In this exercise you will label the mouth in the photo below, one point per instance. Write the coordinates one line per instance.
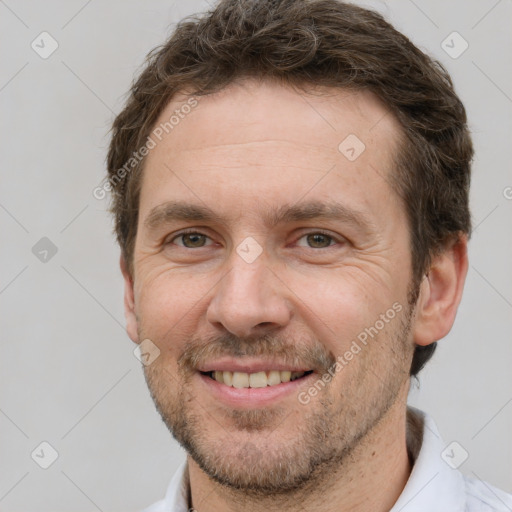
(260, 379)
(248, 383)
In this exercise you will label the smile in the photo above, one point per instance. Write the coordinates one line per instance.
(260, 379)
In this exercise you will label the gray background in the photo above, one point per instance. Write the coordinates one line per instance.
(67, 369)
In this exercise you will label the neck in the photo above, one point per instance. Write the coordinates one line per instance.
(371, 478)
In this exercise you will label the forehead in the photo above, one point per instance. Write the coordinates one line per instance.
(268, 139)
(249, 111)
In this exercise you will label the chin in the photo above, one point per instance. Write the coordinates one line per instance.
(255, 470)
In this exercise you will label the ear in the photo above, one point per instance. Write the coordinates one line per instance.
(129, 303)
(441, 292)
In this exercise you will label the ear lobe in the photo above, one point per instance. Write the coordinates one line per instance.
(440, 293)
(129, 303)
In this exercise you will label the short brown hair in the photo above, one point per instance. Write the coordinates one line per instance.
(312, 43)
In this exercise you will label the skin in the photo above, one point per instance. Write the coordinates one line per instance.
(243, 151)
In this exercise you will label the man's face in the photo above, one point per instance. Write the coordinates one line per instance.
(266, 282)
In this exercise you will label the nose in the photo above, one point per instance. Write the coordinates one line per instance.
(249, 300)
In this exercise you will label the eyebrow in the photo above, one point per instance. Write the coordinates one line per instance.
(175, 211)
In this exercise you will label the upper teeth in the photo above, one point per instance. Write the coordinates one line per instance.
(255, 380)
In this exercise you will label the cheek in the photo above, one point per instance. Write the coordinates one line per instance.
(341, 305)
(167, 305)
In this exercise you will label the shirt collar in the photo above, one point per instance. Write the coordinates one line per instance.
(177, 496)
(432, 484)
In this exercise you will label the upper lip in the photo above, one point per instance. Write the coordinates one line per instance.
(248, 366)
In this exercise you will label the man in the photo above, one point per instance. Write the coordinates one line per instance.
(290, 187)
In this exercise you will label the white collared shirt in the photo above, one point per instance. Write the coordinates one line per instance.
(433, 485)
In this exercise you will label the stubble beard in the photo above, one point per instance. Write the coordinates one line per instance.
(263, 454)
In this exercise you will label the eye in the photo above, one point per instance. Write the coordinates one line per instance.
(191, 240)
(197, 240)
(318, 240)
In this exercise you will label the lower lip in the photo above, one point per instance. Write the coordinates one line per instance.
(253, 397)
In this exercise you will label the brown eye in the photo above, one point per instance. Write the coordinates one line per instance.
(318, 240)
(191, 240)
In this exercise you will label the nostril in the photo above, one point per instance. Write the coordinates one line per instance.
(264, 324)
